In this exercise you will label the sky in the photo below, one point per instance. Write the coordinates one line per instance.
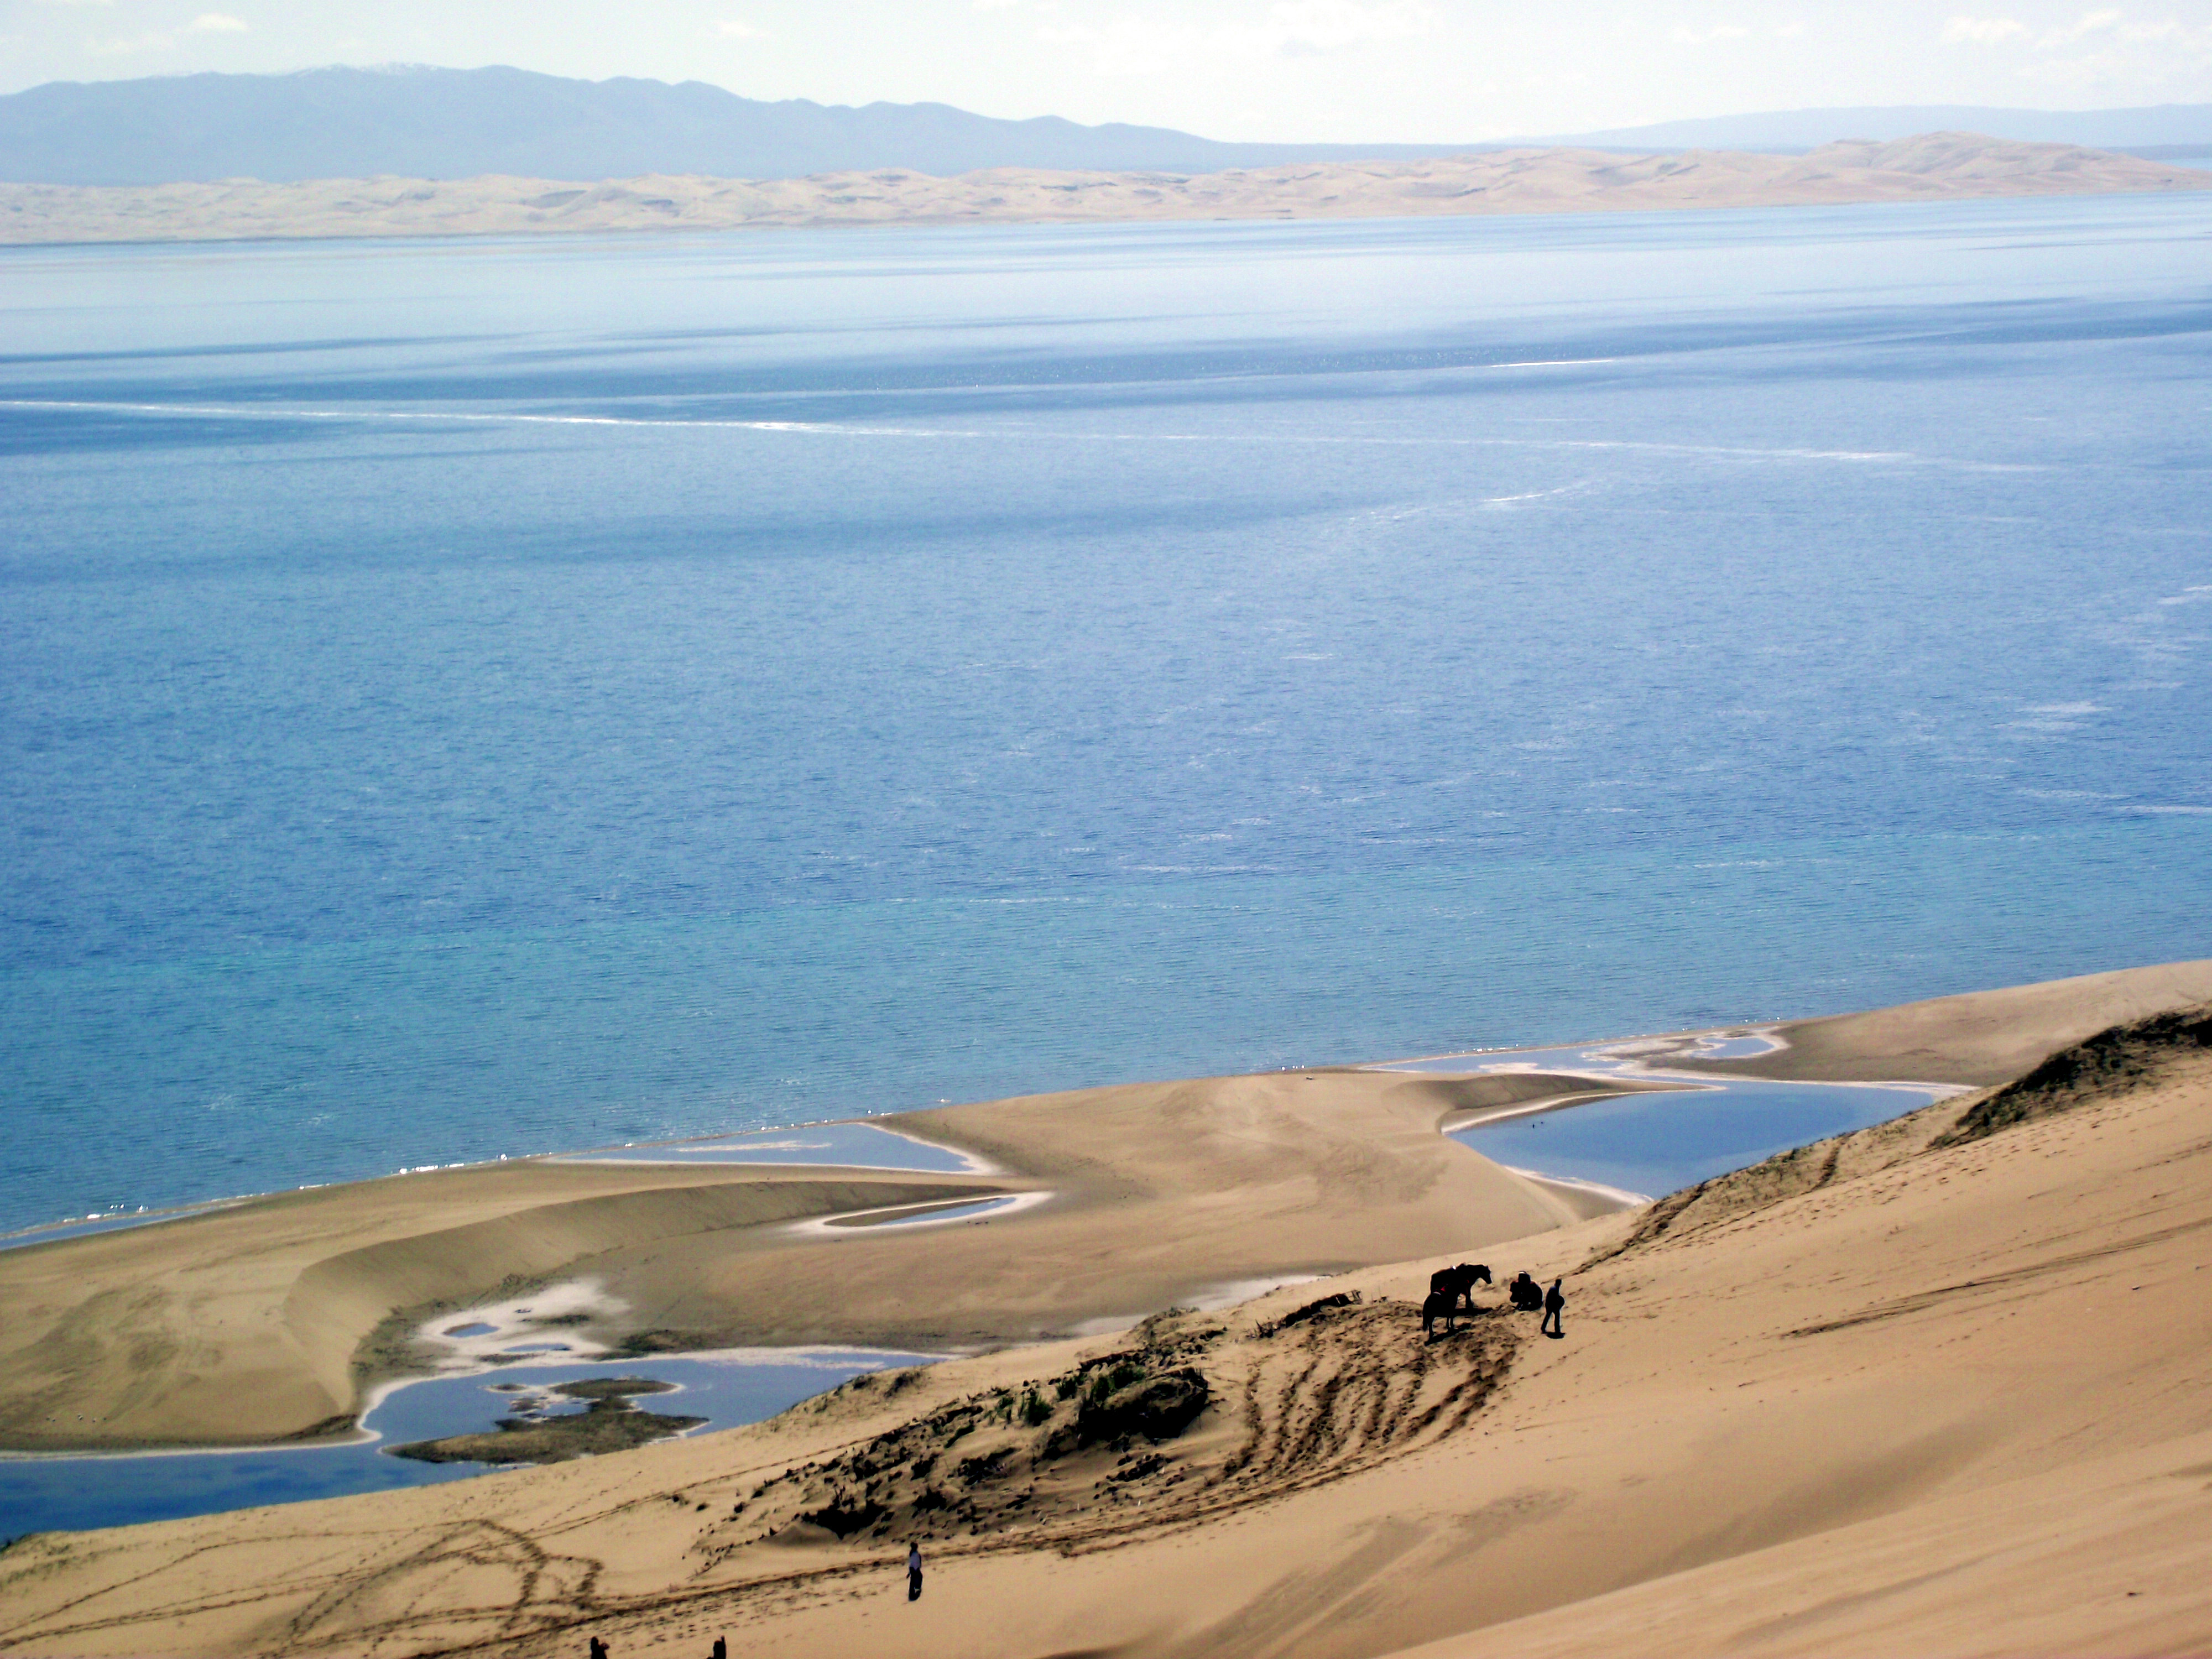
(1411, 71)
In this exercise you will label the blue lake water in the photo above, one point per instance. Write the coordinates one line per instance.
(508, 696)
(60, 1493)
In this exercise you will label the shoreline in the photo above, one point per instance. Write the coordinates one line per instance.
(1125, 1198)
(60, 1231)
(361, 1436)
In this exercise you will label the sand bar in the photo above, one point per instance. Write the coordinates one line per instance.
(273, 1318)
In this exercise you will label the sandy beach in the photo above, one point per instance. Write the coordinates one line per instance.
(1932, 166)
(1932, 1386)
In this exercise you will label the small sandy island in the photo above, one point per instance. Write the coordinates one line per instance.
(1934, 166)
(1933, 1387)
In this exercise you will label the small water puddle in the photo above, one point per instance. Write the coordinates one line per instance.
(1656, 1143)
(851, 1223)
(74, 1493)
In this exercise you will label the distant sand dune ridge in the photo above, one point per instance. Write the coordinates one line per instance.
(1934, 166)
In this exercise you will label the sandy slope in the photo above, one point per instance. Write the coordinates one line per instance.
(1944, 1398)
(1981, 1037)
(268, 1320)
(1951, 1404)
(1931, 167)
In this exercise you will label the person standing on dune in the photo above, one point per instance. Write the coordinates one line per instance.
(1555, 1304)
(914, 1572)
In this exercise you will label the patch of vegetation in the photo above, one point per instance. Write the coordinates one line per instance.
(638, 1343)
(843, 1516)
(612, 1423)
(2120, 1058)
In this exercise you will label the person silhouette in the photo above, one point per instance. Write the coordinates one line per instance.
(1554, 1304)
(914, 1572)
(1524, 1293)
(721, 1650)
(598, 1648)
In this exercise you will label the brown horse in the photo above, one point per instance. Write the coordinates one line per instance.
(1458, 1283)
(1439, 1304)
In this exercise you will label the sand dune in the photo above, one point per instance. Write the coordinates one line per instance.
(1948, 1401)
(254, 1323)
(1980, 1037)
(1933, 167)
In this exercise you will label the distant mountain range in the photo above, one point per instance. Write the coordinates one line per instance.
(460, 123)
(457, 123)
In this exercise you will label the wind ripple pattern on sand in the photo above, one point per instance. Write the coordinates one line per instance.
(1290, 1408)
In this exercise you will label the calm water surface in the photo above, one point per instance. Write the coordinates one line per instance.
(508, 696)
(45, 1494)
(1650, 1144)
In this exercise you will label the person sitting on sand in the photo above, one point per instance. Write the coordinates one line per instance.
(1554, 1304)
(914, 1572)
(1525, 1293)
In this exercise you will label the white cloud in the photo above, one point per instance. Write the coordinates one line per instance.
(736, 29)
(1982, 31)
(2093, 23)
(2101, 47)
(131, 45)
(154, 40)
(2107, 48)
(1131, 44)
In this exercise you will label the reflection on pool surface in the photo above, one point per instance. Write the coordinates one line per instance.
(850, 1145)
(1653, 1144)
(1656, 1143)
(45, 1494)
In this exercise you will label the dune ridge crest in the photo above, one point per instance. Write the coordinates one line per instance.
(1932, 166)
